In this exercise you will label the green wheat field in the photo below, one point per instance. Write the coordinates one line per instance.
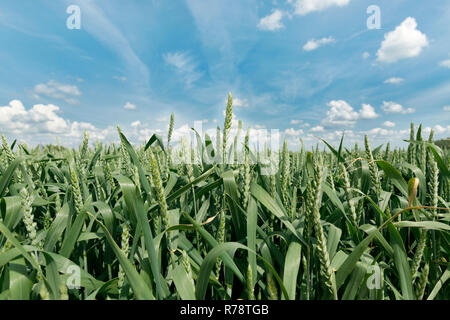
(122, 222)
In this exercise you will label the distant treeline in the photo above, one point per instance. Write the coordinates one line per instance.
(443, 143)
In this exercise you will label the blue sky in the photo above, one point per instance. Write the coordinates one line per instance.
(305, 67)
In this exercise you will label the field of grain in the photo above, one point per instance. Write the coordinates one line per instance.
(126, 222)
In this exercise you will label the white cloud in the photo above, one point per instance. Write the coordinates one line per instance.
(389, 124)
(441, 130)
(136, 124)
(184, 65)
(402, 43)
(55, 90)
(343, 114)
(239, 103)
(293, 132)
(129, 106)
(314, 44)
(446, 108)
(392, 107)
(368, 112)
(41, 118)
(181, 132)
(303, 7)
(445, 63)
(300, 123)
(141, 132)
(271, 22)
(365, 55)
(41, 123)
(120, 78)
(381, 132)
(394, 80)
(318, 129)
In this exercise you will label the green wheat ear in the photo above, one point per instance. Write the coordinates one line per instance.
(7, 149)
(227, 126)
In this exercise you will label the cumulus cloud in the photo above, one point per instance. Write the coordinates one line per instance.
(394, 80)
(314, 44)
(184, 65)
(368, 112)
(406, 41)
(392, 107)
(303, 7)
(389, 124)
(341, 113)
(318, 129)
(293, 132)
(41, 118)
(272, 22)
(55, 90)
(381, 132)
(141, 132)
(446, 108)
(365, 55)
(181, 132)
(44, 122)
(129, 106)
(442, 130)
(300, 123)
(445, 63)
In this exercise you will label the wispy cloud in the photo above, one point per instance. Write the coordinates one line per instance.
(120, 78)
(303, 7)
(55, 90)
(184, 65)
(99, 25)
(445, 63)
(314, 44)
(394, 80)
